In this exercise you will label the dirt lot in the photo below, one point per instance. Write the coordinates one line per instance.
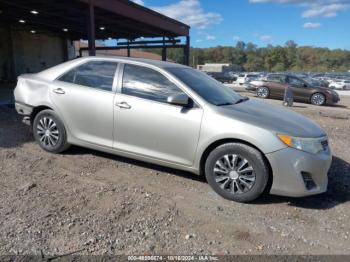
(99, 203)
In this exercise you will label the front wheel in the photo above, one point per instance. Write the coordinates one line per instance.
(318, 99)
(237, 172)
(263, 92)
(49, 132)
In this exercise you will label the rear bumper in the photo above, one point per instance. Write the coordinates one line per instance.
(297, 173)
(23, 109)
(251, 88)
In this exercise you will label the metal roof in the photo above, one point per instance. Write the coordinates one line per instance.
(113, 18)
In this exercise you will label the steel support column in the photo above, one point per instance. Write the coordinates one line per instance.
(128, 48)
(164, 50)
(65, 46)
(91, 29)
(186, 60)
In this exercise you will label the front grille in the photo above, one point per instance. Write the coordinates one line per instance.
(308, 181)
(324, 144)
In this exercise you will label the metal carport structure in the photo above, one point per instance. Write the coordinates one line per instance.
(96, 19)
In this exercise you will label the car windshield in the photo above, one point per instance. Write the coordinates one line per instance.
(205, 86)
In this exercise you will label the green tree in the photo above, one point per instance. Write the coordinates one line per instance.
(249, 57)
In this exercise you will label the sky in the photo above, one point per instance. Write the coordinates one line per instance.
(321, 23)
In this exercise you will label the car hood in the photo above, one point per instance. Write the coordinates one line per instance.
(322, 88)
(332, 92)
(274, 118)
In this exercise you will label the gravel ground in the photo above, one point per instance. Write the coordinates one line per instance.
(97, 203)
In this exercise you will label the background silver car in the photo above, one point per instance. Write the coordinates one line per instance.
(176, 116)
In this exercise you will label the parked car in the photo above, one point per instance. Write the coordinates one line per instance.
(223, 77)
(179, 117)
(245, 78)
(275, 85)
(340, 84)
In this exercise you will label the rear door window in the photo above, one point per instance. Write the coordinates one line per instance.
(277, 78)
(95, 74)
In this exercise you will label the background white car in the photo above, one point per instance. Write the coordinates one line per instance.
(244, 78)
(340, 84)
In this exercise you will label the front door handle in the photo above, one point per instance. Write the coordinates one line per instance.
(59, 91)
(123, 105)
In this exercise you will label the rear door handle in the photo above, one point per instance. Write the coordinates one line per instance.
(123, 105)
(59, 91)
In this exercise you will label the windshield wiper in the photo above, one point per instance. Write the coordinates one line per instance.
(237, 102)
(243, 99)
(225, 104)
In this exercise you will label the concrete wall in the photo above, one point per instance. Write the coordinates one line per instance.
(23, 52)
(35, 52)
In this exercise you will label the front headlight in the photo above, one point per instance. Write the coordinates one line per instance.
(310, 145)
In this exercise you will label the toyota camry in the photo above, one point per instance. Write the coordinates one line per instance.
(176, 116)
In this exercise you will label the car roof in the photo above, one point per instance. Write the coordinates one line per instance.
(285, 74)
(157, 63)
(54, 72)
(277, 74)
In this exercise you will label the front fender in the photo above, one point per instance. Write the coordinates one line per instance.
(216, 129)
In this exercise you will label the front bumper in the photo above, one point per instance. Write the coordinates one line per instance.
(332, 99)
(292, 170)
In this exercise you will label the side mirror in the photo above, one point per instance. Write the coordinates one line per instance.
(179, 100)
(304, 85)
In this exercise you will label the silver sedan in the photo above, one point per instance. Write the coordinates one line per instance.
(175, 116)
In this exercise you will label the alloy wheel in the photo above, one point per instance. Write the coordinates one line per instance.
(48, 132)
(263, 92)
(234, 174)
(318, 99)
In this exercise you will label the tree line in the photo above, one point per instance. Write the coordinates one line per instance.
(250, 57)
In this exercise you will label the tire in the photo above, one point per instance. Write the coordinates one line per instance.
(49, 132)
(318, 99)
(263, 92)
(225, 178)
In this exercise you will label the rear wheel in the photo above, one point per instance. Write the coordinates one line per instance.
(49, 132)
(237, 172)
(318, 99)
(263, 92)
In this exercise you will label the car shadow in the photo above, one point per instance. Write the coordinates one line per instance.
(76, 150)
(337, 106)
(338, 187)
(299, 106)
(338, 190)
(13, 133)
